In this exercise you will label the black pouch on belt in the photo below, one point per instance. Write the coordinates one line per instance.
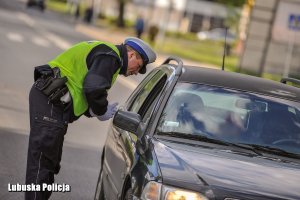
(43, 76)
(56, 83)
(50, 83)
(57, 94)
(42, 71)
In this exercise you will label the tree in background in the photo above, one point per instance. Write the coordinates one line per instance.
(235, 3)
(122, 5)
(232, 21)
(120, 20)
(233, 18)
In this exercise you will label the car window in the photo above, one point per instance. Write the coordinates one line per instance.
(148, 106)
(232, 116)
(142, 84)
(144, 92)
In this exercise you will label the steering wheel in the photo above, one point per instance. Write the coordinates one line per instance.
(282, 141)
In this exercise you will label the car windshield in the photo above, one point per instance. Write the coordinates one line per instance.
(232, 116)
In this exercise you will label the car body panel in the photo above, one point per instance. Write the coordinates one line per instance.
(212, 170)
(223, 169)
(146, 169)
(121, 161)
(114, 164)
(238, 81)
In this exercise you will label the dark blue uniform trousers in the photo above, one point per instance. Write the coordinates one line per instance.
(48, 125)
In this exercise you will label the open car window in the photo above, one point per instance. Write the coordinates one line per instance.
(138, 89)
(144, 92)
(232, 116)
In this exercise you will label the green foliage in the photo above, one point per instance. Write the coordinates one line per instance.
(57, 5)
(62, 1)
(202, 51)
(271, 76)
(294, 84)
(185, 45)
(111, 20)
(61, 6)
(129, 23)
(177, 34)
(233, 19)
(236, 3)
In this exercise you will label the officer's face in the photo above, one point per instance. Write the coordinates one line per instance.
(135, 63)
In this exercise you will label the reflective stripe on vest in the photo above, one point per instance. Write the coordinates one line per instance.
(72, 64)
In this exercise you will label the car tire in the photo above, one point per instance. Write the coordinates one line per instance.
(99, 193)
(128, 195)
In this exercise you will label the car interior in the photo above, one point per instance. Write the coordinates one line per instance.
(186, 111)
(253, 121)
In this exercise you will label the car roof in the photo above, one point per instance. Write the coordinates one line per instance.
(239, 81)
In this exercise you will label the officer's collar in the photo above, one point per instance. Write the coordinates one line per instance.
(124, 58)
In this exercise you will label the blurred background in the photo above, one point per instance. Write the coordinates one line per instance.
(263, 36)
(263, 39)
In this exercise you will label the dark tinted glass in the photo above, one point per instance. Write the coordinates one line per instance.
(232, 116)
(145, 91)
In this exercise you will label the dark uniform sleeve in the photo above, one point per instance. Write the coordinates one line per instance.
(98, 80)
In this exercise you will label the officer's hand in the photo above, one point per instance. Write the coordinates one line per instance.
(111, 110)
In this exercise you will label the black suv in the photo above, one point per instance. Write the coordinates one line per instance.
(191, 133)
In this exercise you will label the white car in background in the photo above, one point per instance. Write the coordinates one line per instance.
(217, 34)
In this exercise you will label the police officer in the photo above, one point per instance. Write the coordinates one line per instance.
(75, 83)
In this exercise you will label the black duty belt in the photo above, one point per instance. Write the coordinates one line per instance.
(50, 83)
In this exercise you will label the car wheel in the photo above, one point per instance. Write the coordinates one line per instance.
(99, 194)
(128, 195)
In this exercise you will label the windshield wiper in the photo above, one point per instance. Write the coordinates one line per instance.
(273, 150)
(208, 139)
(202, 138)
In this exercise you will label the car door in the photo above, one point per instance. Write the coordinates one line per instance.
(120, 144)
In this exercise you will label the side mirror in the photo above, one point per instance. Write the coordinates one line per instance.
(128, 121)
(132, 122)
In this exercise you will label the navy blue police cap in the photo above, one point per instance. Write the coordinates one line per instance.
(145, 51)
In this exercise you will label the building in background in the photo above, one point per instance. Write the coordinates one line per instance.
(173, 15)
(269, 38)
(273, 38)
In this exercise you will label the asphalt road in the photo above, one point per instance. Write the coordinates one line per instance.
(29, 38)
